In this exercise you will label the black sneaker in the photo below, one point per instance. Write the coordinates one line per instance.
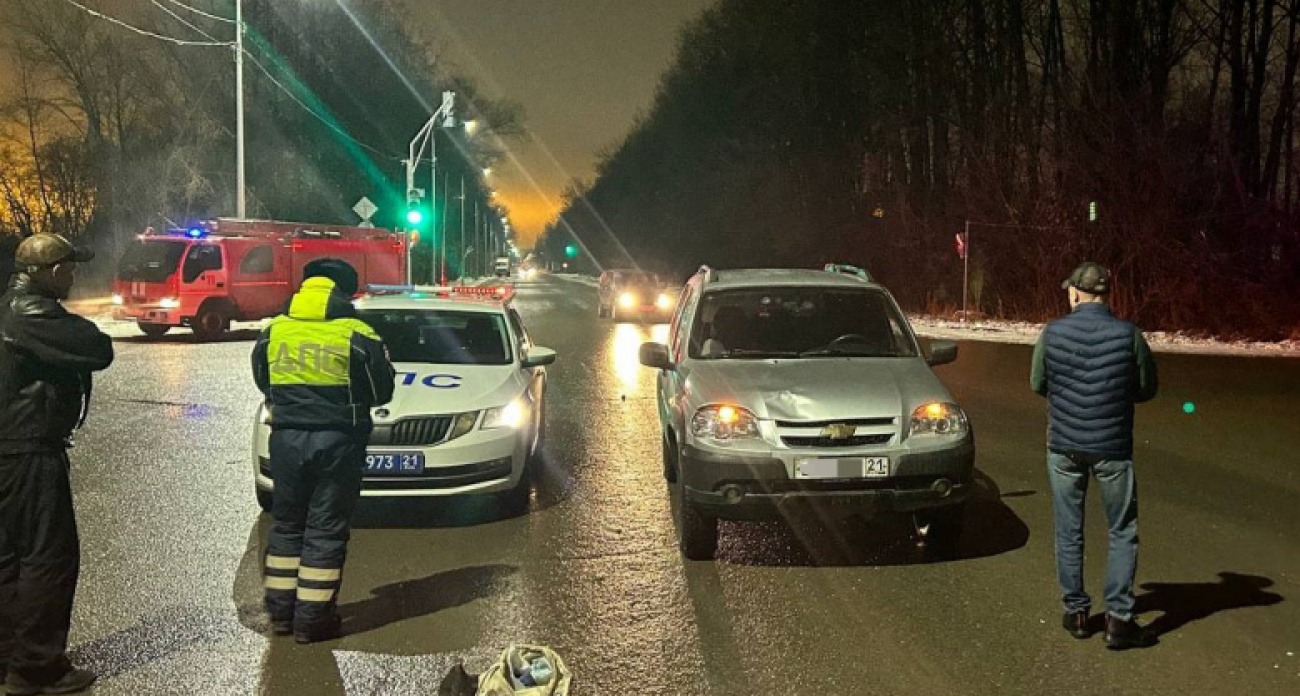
(282, 628)
(1076, 624)
(72, 681)
(1122, 635)
(329, 629)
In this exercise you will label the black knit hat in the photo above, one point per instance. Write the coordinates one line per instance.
(341, 272)
(1090, 277)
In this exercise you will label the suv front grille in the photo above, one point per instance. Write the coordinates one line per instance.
(420, 431)
(855, 441)
(860, 422)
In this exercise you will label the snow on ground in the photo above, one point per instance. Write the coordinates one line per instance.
(1161, 342)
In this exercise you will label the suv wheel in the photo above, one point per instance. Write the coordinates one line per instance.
(697, 531)
(670, 459)
(945, 527)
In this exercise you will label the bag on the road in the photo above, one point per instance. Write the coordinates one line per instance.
(526, 670)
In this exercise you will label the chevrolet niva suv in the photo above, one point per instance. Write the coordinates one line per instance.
(785, 385)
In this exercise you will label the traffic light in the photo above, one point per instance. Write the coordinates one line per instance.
(414, 217)
(571, 251)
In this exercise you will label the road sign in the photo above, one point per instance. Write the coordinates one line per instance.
(366, 209)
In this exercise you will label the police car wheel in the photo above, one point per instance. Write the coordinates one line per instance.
(670, 459)
(264, 500)
(515, 500)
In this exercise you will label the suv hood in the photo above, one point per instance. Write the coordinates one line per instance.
(443, 389)
(816, 389)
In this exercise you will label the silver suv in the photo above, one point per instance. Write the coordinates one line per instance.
(781, 385)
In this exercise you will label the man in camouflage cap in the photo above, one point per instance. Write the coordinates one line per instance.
(46, 358)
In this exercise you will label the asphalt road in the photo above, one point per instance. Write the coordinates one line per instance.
(169, 601)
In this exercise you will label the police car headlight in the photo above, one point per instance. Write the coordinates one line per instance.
(463, 424)
(512, 415)
(938, 418)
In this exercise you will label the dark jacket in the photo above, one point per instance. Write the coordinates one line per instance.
(319, 366)
(45, 365)
(1092, 367)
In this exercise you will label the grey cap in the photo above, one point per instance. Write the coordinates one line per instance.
(1090, 277)
(48, 250)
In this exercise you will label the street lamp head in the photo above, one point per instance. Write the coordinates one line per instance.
(471, 126)
(487, 171)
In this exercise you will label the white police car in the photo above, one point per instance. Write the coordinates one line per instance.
(468, 412)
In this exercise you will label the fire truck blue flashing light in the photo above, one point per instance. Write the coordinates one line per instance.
(194, 232)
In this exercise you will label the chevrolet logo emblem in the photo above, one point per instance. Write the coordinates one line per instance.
(839, 431)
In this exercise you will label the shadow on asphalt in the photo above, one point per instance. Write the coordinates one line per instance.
(188, 338)
(807, 538)
(410, 599)
(1180, 603)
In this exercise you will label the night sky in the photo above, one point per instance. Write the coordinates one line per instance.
(582, 69)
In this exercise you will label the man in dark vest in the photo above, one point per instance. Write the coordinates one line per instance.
(1093, 367)
(321, 370)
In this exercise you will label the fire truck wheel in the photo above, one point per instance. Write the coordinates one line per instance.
(154, 330)
(211, 322)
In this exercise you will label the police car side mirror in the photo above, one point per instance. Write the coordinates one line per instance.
(655, 355)
(538, 357)
(941, 353)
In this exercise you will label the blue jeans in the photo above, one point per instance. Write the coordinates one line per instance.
(1119, 499)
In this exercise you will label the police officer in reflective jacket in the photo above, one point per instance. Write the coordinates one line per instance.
(321, 370)
(46, 358)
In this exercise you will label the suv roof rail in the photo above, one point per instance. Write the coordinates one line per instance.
(708, 273)
(846, 269)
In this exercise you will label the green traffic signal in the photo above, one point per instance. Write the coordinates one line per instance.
(570, 251)
(414, 216)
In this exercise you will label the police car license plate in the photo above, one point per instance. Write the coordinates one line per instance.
(842, 468)
(394, 463)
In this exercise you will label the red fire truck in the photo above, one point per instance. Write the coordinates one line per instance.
(227, 270)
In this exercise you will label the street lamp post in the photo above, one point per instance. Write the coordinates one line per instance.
(240, 208)
(424, 138)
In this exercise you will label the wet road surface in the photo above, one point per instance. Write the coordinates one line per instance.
(169, 601)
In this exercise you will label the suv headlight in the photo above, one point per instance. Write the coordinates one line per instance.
(512, 415)
(724, 423)
(664, 301)
(939, 418)
(627, 300)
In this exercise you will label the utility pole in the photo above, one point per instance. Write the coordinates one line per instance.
(241, 209)
(965, 272)
(460, 272)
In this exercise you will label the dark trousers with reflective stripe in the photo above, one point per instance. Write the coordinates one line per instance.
(39, 562)
(317, 478)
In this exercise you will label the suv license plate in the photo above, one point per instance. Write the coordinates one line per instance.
(394, 463)
(842, 468)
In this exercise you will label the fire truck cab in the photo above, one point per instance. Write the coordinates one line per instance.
(211, 274)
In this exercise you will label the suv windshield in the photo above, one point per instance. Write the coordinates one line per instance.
(150, 261)
(808, 322)
(639, 280)
(445, 337)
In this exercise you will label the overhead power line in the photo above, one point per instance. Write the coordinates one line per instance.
(145, 32)
(182, 20)
(197, 11)
(316, 114)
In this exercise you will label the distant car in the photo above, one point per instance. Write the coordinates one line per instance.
(468, 414)
(780, 385)
(501, 267)
(628, 295)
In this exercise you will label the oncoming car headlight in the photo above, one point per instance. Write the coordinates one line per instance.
(938, 418)
(512, 415)
(627, 299)
(724, 423)
(664, 301)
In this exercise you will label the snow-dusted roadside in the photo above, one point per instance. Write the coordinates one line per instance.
(581, 279)
(1161, 342)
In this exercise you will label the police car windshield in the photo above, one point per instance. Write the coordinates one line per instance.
(442, 337)
(795, 322)
(150, 261)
